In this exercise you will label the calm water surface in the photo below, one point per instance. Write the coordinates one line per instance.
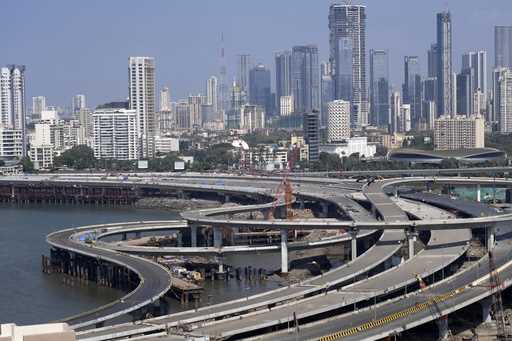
(28, 296)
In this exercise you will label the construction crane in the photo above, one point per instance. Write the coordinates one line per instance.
(434, 308)
(497, 302)
(284, 191)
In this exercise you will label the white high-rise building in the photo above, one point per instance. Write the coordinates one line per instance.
(396, 106)
(78, 103)
(286, 107)
(12, 100)
(194, 103)
(165, 99)
(211, 94)
(252, 117)
(142, 99)
(11, 143)
(338, 126)
(459, 132)
(404, 121)
(38, 105)
(115, 134)
(502, 82)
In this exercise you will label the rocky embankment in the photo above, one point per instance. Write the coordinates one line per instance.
(176, 204)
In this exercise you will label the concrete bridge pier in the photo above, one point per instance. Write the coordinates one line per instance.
(478, 193)
(412, 236)
(486, 309)
(217, 237)
(124, 236)
(302, 205)
(266, 213)
(284, 250)
(193, 235)
(491, 237)
(325, 209)
(353, 243)
(443, 328)
(227, 199)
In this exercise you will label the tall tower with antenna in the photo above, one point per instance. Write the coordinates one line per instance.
(223, 88)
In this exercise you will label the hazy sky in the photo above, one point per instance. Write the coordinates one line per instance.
(82, 46)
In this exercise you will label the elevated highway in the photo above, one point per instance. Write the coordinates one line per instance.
(444, 248)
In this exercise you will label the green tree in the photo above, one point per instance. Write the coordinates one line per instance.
(78, 157)
(27, 164)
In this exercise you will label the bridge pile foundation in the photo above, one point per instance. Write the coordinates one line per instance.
(83, 269)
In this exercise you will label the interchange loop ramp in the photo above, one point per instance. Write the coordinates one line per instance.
(453, 293)
(155, 280)
(364, 290)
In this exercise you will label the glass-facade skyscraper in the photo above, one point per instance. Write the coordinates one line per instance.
(379, 88)
(445, 77)
(283, 65)
(259, 88)
(503, 46)
(305, 78)
(349, 22)
(412, 88)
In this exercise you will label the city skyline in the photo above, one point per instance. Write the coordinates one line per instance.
(75, 73)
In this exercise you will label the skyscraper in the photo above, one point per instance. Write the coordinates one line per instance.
(474, 65)
(412, 88)
(211, 93)
(349, 22)
(259, 88)
(165, 99)
(38, 105)
(305, 78)
(196, 119)
(12, 100)
(326, 92)
(78, 103)
(502, 83)
(464, 97)
(311, 127)
(344, 70)
(141, 87)
(503, 46)
(379, 87)
(395, 112)
(244, 66)
(338, 128)
(445, 84)
(283, 61)
(432, 61)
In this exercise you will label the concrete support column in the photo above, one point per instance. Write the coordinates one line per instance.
(301, 204)
(443, 329)
(193, 235)
(491, 237)
(508, 196)
(217, 237)
(412, 235)
(353, 243)
(374, 211)
(486, 309)
(478, 193)
(227, 199)
(396, 191)
(137, 235)
(284, 250)
(266, 213)
(179, 238)
(124, 237)
(221, 264)
(325, 209)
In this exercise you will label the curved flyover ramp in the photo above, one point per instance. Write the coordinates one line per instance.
(155, 280)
